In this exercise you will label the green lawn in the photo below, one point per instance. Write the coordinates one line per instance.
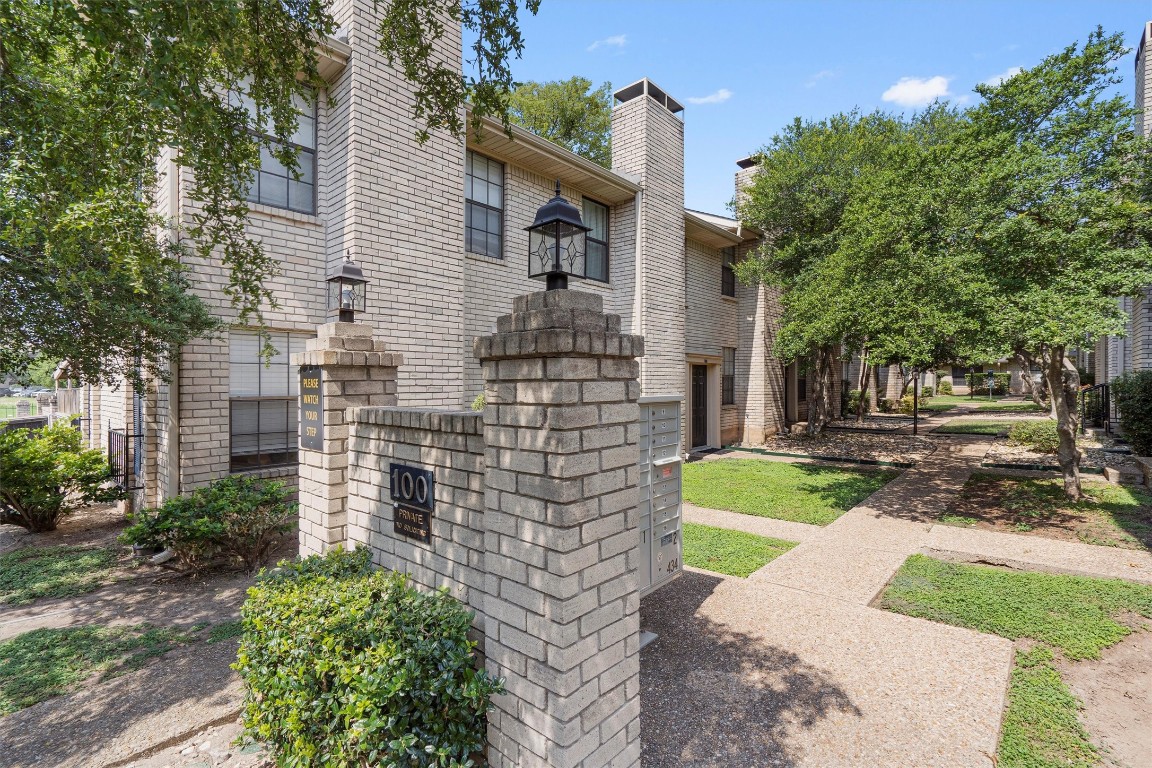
(33, 572)
(995, 405)
(1075, 616)
(991, 427)
(802, 493)
(731, 552)
(43, 663)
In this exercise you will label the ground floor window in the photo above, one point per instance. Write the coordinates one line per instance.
(728, 377)
(262, 403)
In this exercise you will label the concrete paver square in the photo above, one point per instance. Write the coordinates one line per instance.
(761, 526)
(746, 673)
(836, 569)
(862, 527)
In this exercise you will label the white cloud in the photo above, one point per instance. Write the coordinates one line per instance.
(916, 91)
(962, 99)
(996, 80)
(823, 74)
(719, 97)
(615, 41)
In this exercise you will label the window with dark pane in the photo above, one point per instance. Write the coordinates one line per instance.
(801, 382)
(728, 272)
(483, 205)
(278, 185)
(262, 405)
(595, 216)
(728, 377)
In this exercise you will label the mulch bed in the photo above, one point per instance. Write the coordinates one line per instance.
(854, 445)
(873, 423)
(1095, 457)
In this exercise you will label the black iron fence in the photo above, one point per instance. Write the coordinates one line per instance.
(124, 458)
(1098, 409)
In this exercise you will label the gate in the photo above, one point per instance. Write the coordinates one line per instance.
(123, 461)
(1098, 409)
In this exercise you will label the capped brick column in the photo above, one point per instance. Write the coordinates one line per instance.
(561, 602)
(356, 370)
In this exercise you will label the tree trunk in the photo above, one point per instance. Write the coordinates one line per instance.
(1027, 385)
(1064, 387)
(906, 377)
(865, 376)
(820, 412)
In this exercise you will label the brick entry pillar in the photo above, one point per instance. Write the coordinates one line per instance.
(561, 602)
(355, 370)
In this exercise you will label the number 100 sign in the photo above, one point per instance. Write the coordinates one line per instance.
(412, 486)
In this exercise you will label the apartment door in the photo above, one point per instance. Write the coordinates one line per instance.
(699, 434)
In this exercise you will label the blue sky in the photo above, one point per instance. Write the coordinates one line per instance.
(753, 66)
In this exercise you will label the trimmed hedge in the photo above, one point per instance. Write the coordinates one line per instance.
(1134, 402)
(978, 383)
(346, 666)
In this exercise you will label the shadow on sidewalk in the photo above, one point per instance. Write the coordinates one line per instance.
(712, 696)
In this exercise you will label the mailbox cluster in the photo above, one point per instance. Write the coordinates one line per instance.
(661, 545)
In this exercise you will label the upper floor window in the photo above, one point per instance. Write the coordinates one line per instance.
(728, 377)
(276, 184)
(483, 206)
(262, 402)
(596, 260)
(728, 273)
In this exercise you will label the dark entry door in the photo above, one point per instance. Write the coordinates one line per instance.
(699, 405)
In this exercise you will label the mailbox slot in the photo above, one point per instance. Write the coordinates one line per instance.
(659, 498)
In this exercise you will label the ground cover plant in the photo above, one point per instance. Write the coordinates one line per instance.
(1109, 515)
(361, 668)
(34, 572)
(802, 493)
(1039, 436)
(974, 427)
(43, 663)
(734, 553)
(1049, 615)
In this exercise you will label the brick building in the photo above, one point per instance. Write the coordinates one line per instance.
(438, 229)
(1116, 355)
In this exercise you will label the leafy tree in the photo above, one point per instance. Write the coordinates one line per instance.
(806, 178)
(568, 112)
(92, 92)
(1057, 189)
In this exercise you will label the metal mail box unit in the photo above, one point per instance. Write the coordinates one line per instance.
(659, 499)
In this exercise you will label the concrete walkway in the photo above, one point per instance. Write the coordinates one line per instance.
(793, 667)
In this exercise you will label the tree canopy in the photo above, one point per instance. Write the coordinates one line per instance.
(569, 112)
(93, 92)
(1008, 228)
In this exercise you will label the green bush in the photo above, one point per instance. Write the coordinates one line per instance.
(45, 474)
(978, 383)
(350, 667)
(1133, 392)
(926, 392)
(236, 516)
(1040, 436)
(479, 402)
(944, 384)
(854, 403)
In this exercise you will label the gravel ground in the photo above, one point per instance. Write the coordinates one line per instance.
(877, 423)
(855, 445)
(1094, 456)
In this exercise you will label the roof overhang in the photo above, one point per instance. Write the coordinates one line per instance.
(332, 57)
(698, 227)
(551, 161)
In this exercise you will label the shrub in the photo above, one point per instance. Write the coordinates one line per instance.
(978, 383)
(926, 392)
(1040, 436)
(236, 516)
(854, 403)
(888, 405)
(944, 385)
(45, 474)
(905, 405)
(479, 402)
(1133, 393)
(350, 667)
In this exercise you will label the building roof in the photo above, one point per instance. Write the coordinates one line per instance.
(715, 230)
(552, 161)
